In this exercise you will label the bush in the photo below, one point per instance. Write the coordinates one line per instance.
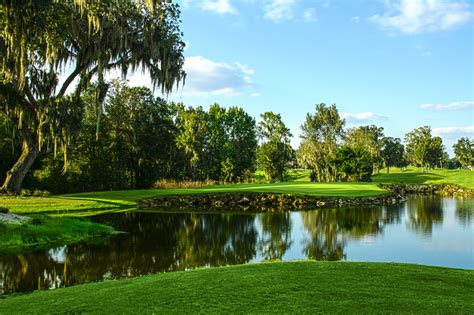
(172, 184)
(4, 210)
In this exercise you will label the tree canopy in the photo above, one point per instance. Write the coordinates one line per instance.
(50, 47)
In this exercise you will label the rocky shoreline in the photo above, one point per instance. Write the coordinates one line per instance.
(261, 202)
(446, 190)
(269, 202)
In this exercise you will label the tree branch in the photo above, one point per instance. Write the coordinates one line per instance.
(69, 80)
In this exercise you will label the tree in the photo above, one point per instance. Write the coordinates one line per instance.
(320, 135)
(240, 149)
(353, 164)
(464, 152)
(392, 152)
(43, 40)
(368, 138)
(275, 152)
(421, 149)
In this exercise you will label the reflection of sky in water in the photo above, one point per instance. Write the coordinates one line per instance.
(431, 231)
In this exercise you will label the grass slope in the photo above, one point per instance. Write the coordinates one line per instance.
(112, 200)
(296, 287)
(413, 175)
(46, 231)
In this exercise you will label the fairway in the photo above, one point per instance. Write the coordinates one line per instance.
(115, 200)
(413, 175)
(301, 287)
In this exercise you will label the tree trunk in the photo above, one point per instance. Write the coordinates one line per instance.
(17, 173)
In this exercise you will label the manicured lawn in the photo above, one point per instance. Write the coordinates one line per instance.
(413, 175)
(113, 200)
(296, 287)
(45, 231)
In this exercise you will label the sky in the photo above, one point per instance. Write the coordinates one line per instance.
(398, 64)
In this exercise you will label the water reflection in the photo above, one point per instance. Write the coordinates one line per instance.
(157, 242)
(465, 211)
(424, 213)
(276, 235)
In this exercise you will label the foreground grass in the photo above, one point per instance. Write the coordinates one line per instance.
(464, 178)
(44, 231)
(113, 200)
(296, 287)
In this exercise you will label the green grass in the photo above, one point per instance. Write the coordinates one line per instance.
(126, 199)
(296, 287)
(44, 231)
(113, 200)
(464, 178)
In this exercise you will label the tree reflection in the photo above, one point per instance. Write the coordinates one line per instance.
(329, 229)
(276, 235)
(423, 213)
(465, 210)
(153, 243)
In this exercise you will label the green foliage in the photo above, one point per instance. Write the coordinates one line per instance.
(275, 152)
(392, 153)
(464, 152)
(220, 144)
(354, 164)
(280, 287)
(320, 135)
(43, 40)
(368, 139)
(422, 149)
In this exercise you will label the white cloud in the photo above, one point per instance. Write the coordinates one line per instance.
(206, 77)
(417, 16)
(450, 106)
(355, 19)
(457, 131)
(219, 7)
(364, 117)
(255, 94)
(309, 15)
(279, 10)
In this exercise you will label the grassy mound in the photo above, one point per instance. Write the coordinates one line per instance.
(45, 231)
(297, 287)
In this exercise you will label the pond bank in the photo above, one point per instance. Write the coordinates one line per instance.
(267, 202)
(19, 233)
(292, 287)
(445, 190)
(262, 202)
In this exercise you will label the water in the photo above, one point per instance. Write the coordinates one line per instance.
(424, 230)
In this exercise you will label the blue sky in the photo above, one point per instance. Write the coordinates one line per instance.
(396, 64)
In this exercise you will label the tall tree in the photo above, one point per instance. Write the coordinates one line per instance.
(43, 40)
(422, 149)
(321, 134)
(275, 152)
(368, 138)
(392, 152)
(240, 149)
(464, 152)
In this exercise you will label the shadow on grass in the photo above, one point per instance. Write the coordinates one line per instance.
(407, 177)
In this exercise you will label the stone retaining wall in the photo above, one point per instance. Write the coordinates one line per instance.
(261, 202)
(415, 189)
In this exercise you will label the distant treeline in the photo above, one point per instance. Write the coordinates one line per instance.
(136, 139)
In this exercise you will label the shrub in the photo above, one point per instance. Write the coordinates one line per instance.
(172, 184)
(4, 210)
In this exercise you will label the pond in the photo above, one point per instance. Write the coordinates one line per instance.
(424, 230)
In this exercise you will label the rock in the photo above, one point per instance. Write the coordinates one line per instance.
(9, 218)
